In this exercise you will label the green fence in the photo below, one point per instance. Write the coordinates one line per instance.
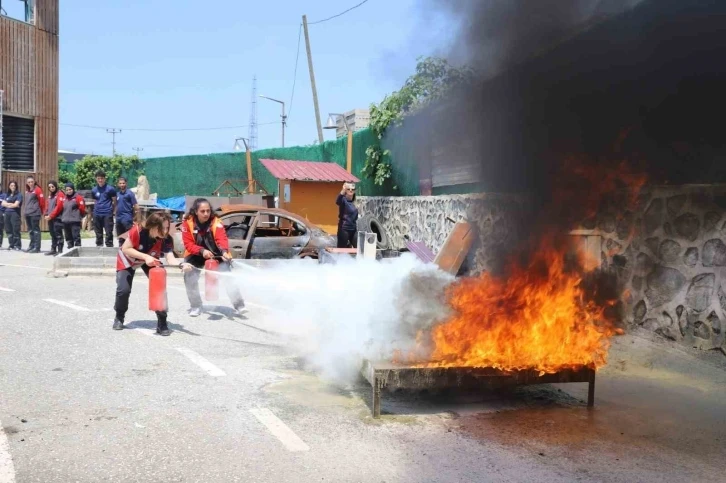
(202, 174)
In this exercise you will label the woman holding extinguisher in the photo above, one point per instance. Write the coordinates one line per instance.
(205, 239)
(143, 247)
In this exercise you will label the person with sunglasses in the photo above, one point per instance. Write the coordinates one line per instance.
(347, 217)
(143, 246)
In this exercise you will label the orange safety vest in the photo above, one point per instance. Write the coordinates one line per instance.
(213, 229)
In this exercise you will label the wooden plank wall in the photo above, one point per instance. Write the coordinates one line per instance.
(29, 77)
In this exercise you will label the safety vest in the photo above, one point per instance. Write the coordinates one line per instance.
(200, 240)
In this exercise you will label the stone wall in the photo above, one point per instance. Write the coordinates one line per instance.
(668, 252)
(424, 218)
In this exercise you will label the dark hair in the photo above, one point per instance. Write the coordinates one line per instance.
(123, 178)
(195, 207)
(100, 174)
(53, 183)
(29, 178)
(12, 181)
(156, 220)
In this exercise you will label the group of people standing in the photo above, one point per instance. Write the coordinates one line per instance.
(64, 211)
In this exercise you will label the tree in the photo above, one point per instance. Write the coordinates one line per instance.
(113, 166)
(65, 173)
(434, 79)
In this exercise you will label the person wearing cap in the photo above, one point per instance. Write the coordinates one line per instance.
(71, 210)
(347, 217)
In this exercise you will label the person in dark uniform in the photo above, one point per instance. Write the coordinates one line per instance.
(143, 247)
(34, 207)
(71, 209)
(126, 206)
(12, 204)
(204, 238)
(3, 195)
(103, 209)
(347, 217)
(55, 227)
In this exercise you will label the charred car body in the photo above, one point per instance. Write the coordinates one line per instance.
(256, 232)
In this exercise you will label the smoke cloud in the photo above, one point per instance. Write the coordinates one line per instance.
(335, 315)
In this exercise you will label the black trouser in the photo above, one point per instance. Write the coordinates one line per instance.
(100, 223)
(2, 227)
(191, 282)
(33, 224)
(347, 238)
(12, 228)
(72, 231)
(55, 227)
(121, 228)
(124, 281)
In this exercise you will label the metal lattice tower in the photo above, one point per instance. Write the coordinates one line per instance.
(252, 134)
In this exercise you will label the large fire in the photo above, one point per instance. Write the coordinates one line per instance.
(546, 314)
(539, 317)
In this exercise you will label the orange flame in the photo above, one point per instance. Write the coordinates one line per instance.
(538, 318)
(543, 315)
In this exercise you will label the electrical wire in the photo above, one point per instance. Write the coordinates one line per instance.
(294, 75)
(338, 15)
(170, 129)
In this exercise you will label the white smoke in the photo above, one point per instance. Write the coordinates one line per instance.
(334, 315)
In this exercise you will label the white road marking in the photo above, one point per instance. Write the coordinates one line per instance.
(208, 367)
(7, 469)
(141, 330)
(25, 266)
(280, 430)
(69, 305)
(3, 289)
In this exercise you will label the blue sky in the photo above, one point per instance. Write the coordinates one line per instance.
(185, 64)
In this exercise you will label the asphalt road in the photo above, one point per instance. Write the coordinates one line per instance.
(224, 399)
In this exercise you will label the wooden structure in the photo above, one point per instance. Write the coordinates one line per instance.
(29, 81)
(309, 189)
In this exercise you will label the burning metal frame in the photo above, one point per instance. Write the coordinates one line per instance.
(386, 374)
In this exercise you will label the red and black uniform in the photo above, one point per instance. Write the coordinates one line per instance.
(126, 267)
(55, 226)
(34, 208)
(210, 236)
(71, 209)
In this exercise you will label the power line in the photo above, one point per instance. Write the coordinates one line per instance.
(168, 130)
(294, 76)
(338, 15)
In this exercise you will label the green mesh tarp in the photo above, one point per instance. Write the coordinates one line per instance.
(202, 174)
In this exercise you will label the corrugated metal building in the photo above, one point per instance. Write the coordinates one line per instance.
(29, 81)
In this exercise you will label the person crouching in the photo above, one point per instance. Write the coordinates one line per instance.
(205, 238)
(142, 247)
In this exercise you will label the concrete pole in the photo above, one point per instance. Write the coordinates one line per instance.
(312, 79)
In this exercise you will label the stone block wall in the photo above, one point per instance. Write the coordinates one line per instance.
(496, 217)
(668, 252)
(670, 256)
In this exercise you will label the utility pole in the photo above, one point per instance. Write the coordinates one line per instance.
(113, 133)
(252, 133)
(138, 150)
(312, 79)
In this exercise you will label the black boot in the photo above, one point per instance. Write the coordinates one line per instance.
(118, 324)
(162, 328)
(51, 253)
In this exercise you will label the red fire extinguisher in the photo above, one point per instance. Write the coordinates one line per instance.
(211, 293)
(157, 289)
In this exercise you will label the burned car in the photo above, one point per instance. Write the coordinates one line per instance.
(256, 232)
